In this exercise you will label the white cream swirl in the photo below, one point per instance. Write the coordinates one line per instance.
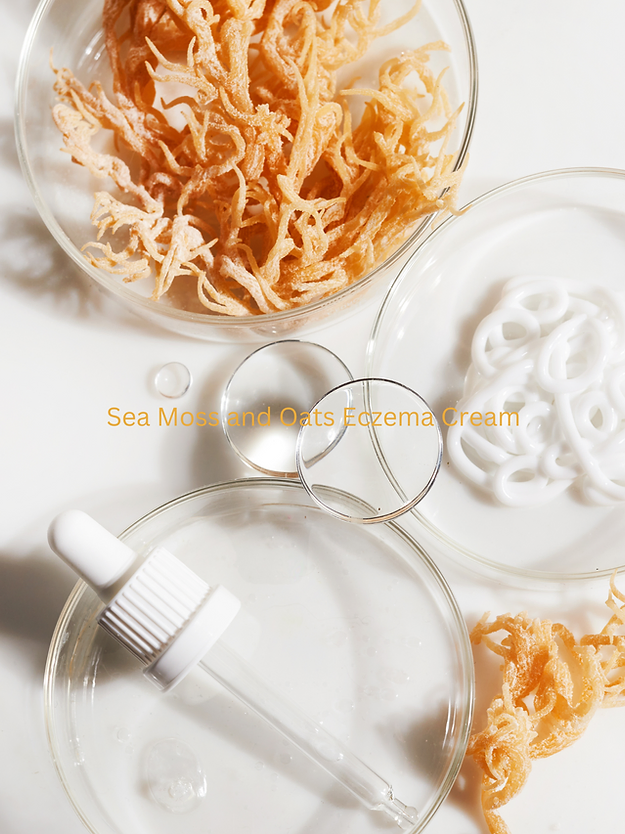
(553, 351)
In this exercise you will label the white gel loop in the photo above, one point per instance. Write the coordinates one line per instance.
(494, 330)
(548, 365)
(552, 364)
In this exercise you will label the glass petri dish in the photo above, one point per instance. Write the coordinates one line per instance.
(570, 224)
(63, 192)
(354, 623)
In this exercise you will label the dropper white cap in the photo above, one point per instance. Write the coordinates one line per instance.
(95, 554)
(158, 609)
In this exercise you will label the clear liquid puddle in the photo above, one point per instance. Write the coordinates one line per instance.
(175, 777)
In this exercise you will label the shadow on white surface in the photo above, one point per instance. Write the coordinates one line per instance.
(35, 265)
(33, 590)
(8, 152)
(464, 796)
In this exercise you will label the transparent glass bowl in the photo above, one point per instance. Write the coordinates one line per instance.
(568, 223)
(63, 191)
(355, 624)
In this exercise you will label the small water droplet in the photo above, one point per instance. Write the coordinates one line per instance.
(286, 758)
(123, 734)
(345, 705)
(259, 765)
(175, 776)
(173, 380)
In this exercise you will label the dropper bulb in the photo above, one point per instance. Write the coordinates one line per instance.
(95, 554)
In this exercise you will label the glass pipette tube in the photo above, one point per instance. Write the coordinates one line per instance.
(240, 679)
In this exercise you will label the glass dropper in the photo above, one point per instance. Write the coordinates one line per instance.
(171, 620)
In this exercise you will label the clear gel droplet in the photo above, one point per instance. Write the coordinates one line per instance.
(181, 790)
(175, 776)
(173, 380)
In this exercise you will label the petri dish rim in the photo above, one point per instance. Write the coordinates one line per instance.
(481, 564)
(57, 690)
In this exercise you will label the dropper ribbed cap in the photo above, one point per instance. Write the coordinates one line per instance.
(162, 612)
(154, 605)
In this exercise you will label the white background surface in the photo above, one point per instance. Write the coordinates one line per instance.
(552, 85)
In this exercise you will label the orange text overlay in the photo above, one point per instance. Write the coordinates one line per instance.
(289, 416)
(453, 417)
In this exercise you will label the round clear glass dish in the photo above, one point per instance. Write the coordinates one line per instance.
(63, 192)
(567, 223)
(355, 624)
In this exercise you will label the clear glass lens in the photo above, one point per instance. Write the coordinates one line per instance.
(370, 439)
(268, 397)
